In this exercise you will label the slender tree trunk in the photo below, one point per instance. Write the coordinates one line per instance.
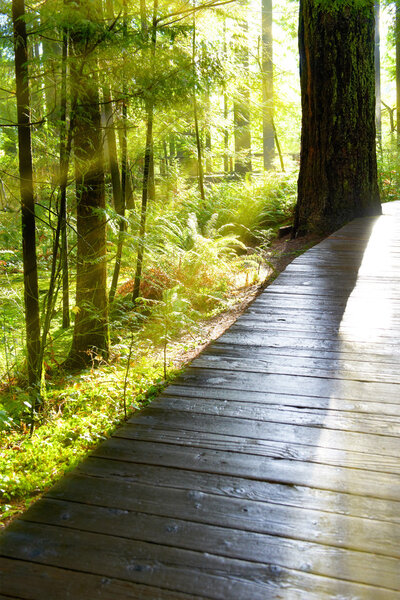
(378, 112)
(91, 314)
(123, 181)
(143, 213)
(200, 168)
(338, 170)
(208, 135)
(391, 112)
(152, 181)
(31, 293)
(172, 147)
(147, 166)
(112, 154)
(226, 134)
(397, 34)
(278, 147)
(111, 140)
(267, 85)
(65, 152)
(226, 114)
(241, 113)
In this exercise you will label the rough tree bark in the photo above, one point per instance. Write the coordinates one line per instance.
(91, 314)
(338, 171)
(31, 294)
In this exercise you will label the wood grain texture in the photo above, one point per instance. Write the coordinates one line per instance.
(270, 469)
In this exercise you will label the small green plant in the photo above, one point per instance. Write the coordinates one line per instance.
(172, 315)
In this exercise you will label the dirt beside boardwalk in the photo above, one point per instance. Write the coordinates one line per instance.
(281, 253)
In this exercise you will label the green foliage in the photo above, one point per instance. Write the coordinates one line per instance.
(247, 210)
(80, 412)
(389, 174)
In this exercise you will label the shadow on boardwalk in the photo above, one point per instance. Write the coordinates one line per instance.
(270, 469)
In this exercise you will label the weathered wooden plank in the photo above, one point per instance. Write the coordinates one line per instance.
(227, 485)
(311, 435)
(314, 344)
(31, 581)
(175, 569)
(272, 449)
(365, 535)
(359, 407)
(313, 266)
(306, 306)
(259, 548)
(274, 462)
(310, 317)
(330, 418)
(314, 331)
(222, 345)
(331, 289)
(382, 327)
(290, 384)
(310, 367)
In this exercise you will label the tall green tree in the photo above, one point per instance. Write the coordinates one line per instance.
(31, 293)
(338, 169)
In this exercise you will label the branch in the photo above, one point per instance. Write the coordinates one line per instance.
(31, 124)
(190, 11)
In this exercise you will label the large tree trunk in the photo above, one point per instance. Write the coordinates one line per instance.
(91, 314)
(31, 295)
(338, 171)
(268, 85)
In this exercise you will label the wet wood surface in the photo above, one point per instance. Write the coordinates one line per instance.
(269, 470)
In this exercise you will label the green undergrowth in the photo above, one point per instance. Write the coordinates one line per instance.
(78, 412)
(389, 173)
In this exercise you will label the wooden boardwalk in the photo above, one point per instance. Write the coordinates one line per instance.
(269, 470)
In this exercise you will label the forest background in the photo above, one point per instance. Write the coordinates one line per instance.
(164, 140)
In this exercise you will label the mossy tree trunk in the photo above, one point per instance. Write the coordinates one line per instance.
(338, 170)
(91, 314)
